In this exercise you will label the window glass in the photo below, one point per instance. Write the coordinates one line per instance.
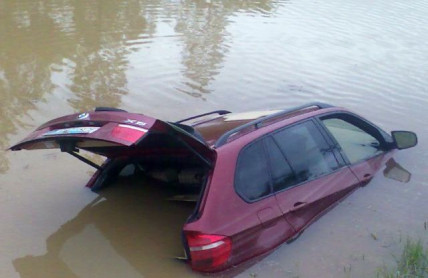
(356, 143)
(281, 172)
(306, 150)
(252, 176)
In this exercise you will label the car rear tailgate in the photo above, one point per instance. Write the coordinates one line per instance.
(93, 129)
(109, 133)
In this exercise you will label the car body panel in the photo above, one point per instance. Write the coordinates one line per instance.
(105, 140)
(304, 202)
(366, 170)
(106, 120)
(256, 227)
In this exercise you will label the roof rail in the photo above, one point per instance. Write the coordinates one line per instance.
(220, 112)
(109, 109)
(256, 123)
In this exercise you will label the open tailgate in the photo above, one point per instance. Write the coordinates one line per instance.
(111, 134)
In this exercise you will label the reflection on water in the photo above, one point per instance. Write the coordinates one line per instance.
(98, 59)
(203, 25)
(130, 230)
(395, 171)
(172, 59)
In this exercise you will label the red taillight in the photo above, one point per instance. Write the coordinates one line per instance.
(128, 132)
(208, 252)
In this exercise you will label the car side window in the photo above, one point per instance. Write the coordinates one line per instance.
(356, 143)
(281, 172)
(252, 180)
(307, 151)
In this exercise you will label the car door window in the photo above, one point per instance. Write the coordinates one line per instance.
(252, 179)
(356, 143)
(306, 150)
(281, 172)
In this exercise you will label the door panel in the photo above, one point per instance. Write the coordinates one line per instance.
(365, 170)
(306, 175)
(300, 204)
(363, 145)
(258, 224)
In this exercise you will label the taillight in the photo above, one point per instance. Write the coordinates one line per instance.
(208, 252)
(128, 132)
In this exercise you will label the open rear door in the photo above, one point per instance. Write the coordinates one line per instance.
(115, 134)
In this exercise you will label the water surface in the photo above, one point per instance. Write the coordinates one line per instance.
(172, 59)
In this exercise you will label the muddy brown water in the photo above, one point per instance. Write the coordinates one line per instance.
(172, 59)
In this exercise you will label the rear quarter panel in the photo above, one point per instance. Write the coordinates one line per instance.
(253, 227)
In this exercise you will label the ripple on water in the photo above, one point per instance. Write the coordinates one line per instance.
(172, 59)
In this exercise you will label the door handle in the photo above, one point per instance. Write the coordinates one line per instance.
(298, 206)
(366, 179)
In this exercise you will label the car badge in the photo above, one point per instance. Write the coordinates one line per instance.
(83, 116)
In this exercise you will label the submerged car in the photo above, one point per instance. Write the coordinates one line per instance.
(257, 179)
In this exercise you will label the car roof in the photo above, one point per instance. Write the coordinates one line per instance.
(212, 129)
(220, 127)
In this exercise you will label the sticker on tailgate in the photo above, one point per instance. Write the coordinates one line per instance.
(72, 130)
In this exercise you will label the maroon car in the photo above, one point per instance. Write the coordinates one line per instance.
(256, 179)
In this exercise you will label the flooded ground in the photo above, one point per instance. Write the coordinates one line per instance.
(172, 59)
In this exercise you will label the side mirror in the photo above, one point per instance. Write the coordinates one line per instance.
(404, 139)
